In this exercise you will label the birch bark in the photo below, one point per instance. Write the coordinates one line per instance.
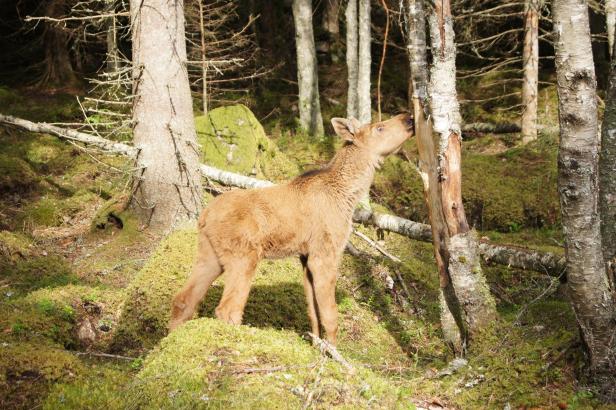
(307, 68)
(590, 291)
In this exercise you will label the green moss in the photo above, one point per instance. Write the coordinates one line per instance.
(37, 272)
(52, 211)
(203, 365)
(16, 174)
(13, 246)
(103, 387)
(505, 191)
(232, 138)
(28, 370)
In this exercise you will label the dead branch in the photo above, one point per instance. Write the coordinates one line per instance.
(330, 349)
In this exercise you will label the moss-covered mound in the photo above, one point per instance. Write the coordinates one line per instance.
(28, 370)
(209, 364)
(276, 301)
(73, 316)
(232, 138)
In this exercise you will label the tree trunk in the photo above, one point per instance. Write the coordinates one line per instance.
(590, 291)
(352, 56)
(417, 53)
(330, 20)
(204, 95)
(113, 54)
(57, 65)
(307, 69)
(167, 187)
(530, 84)
(476, 303)
(364, 108)
(610, 17)
(607, 177)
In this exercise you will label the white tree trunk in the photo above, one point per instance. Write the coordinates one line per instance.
(307, 68)
(364, 62)
(530, 82)
(167, 188)
(610, 16)
(476, 303)
(352, 56)
(590, 291)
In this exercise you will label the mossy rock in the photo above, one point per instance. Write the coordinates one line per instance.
(232, 138)
(28, 370)
(276, 301)
(112, 213)
(16, 175)
(206, 364)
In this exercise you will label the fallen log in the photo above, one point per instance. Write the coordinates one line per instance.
(106, 145)
(512, 256)
(486, 127)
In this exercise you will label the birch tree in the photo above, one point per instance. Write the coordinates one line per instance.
(359, 60)
(461, 257)
(610, 17)
(590, 291)
(352, 58)
(607, 177)
(167, 185)
(307, 68)
(530, 84)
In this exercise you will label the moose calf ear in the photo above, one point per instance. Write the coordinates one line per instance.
(346, 129)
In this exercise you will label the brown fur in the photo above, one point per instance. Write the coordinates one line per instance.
(310, 216)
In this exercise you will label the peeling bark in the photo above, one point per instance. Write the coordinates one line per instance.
(167, 185)
(307, 70)
(530, 58)
(477, 304)
(417, 53)
(590, 291)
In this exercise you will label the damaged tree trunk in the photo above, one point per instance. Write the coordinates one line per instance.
(590, 291)
(417, 54)
(167, 185)
(476, 304)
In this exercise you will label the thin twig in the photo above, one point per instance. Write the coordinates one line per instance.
(377, 247)
(326, 347)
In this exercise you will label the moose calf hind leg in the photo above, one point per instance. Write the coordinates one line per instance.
(238, 281)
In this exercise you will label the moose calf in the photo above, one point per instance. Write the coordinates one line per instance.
(311, 216)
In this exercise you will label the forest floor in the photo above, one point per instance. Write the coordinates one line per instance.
(85, 291)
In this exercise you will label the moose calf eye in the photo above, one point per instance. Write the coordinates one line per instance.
(379, 129)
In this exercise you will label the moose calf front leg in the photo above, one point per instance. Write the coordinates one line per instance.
(324, 274)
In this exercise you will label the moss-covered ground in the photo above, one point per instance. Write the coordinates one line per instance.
(85, 292)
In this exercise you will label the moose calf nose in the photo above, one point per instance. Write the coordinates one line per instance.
(409, 121)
